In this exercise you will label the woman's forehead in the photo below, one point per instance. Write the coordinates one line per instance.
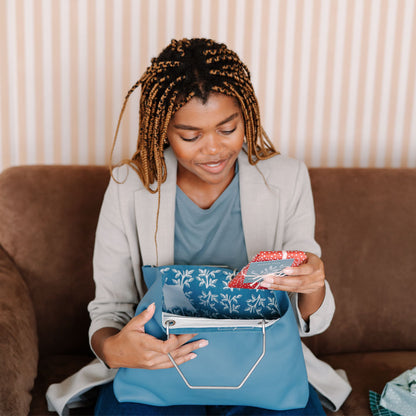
(217, 105)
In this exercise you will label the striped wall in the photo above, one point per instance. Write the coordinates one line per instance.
(336, 79)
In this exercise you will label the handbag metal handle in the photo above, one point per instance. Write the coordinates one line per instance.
(170, 323)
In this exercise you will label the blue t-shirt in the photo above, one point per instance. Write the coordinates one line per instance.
(212, 236)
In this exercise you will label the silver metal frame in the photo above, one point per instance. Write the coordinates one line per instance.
(171, 323)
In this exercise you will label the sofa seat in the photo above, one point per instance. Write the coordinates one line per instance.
(54, 369)
(365, 222)
(368, 371)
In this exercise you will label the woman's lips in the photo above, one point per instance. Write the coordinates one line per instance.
(214, 166)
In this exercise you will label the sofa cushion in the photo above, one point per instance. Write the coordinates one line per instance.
(48, 220)
(365, 223)
(369, 371)
(18, 340)
(54, 369)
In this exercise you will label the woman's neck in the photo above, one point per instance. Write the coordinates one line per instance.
(202, 194)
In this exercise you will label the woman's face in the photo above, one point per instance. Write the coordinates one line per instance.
(206, 139)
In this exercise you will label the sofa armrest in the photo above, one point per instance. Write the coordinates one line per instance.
(18, 340)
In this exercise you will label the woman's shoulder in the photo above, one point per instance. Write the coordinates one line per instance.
(126, 177)
(280, 170)
(284, 171)
(280, 162)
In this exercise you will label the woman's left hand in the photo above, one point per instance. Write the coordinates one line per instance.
(306, 278)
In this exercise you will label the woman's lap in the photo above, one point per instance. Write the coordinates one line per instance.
(108, 405)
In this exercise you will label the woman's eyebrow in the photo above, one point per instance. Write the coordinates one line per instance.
(187, 127)
(232, 117)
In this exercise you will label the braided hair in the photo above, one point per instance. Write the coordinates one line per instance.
(185, 69)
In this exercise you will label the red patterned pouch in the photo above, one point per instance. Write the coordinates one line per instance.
(266, 262)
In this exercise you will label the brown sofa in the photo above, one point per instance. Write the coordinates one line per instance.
(366, 225)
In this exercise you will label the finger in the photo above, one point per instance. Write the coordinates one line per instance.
(167, 363)
(292, 284)
(187, 352)
(180, 342)
(174, 342)
(180, 355)
(315, 262)
(155, 361)
(282, 282)
(312, 265)
(184, 338)
(189, 348)
(184, 358)
(303, 269)
(159, 347)
(139, 321)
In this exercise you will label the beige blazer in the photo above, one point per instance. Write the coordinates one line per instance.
(277, 214)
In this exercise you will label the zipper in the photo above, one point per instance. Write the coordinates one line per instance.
(179, 321)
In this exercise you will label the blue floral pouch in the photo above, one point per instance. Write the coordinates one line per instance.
(203, 291)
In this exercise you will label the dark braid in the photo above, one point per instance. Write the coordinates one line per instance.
(185, 69)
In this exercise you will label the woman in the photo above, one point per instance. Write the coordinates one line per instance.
(205, 186)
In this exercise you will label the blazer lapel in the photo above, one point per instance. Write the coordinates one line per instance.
(259, 212)
(259, 208)
(146, 205)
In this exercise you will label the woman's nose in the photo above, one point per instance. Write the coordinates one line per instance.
(212, 144)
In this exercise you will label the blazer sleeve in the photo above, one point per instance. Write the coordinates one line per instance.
(318, 321)
(116, 294)
(299, 235)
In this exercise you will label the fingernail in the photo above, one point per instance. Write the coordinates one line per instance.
(287, 271)
(192, 356)
(265, 284)
(268, 279)
(203, 343)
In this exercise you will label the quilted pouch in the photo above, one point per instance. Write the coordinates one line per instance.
(266, 262)
(399, 394)
(254, 356)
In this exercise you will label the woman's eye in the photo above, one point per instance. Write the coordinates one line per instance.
(192, 139)
(227, 132)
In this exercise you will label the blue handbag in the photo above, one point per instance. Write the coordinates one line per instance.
(254, 356)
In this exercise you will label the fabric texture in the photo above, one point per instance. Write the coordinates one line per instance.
(376, 408)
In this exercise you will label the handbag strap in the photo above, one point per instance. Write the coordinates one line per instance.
(220, 387)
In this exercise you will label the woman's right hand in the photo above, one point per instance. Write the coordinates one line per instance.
(133, 348)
